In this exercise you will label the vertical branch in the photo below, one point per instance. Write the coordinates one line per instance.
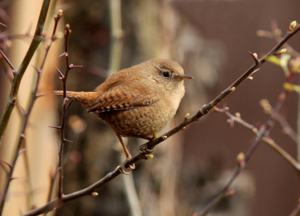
(64, 111)
(27, 113)
(65, 106)
(20, 72)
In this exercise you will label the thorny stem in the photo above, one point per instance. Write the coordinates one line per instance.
(151, 144)
(27, 113)
(64, 111)
(65, 106)
(20, 72)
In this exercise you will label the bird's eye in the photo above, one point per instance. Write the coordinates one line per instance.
(166, 74)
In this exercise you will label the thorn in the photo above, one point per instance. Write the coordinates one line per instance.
(254, 56)
(69, 141)
(65, 101)
(63, 54)
(21, 151)
(40, 95)
(24, 111)
(37, 70)
(3, 24)
(8, 164)
(69, 104)
(60, 73)
(55, 127)
(8, 62)
(71, 66)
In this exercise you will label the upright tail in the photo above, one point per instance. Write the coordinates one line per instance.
(87, 99)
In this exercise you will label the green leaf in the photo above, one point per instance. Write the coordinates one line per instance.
(291, 87)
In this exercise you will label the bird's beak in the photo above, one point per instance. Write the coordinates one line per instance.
(184, 77)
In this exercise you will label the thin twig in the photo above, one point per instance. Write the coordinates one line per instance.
(244, 158)
(20, 72)
(188, 120)
(63, 117)
(25, 123)
(65, 106)
(267, 140)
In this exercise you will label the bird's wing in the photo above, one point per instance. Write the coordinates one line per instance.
(123, 99)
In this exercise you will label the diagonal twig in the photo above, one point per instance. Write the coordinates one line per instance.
(188, 120)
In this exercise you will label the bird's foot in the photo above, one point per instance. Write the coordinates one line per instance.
(145, 150)
(126, 168)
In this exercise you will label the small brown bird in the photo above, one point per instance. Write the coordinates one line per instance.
(137, 101)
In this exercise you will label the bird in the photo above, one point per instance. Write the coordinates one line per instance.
(137, 101)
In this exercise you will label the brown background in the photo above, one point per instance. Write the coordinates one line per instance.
(235, 24)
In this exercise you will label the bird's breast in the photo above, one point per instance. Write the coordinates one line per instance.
(142, 121)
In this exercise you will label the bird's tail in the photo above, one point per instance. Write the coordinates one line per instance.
(88, 99)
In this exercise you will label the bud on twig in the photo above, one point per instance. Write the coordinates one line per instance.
(238, 115)
(281, 52)
(241, 159)
(186, 116)
(292, 25)
(94, 194)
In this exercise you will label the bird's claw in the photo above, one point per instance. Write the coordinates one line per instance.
(145, 150)
(126, 170)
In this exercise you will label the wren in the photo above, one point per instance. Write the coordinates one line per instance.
(137, 101)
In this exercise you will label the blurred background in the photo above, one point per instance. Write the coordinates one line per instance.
(211, 40)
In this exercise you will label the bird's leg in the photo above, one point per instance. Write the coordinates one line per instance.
(130, 167)
(144, 148)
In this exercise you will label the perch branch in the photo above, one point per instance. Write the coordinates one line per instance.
(188, 120)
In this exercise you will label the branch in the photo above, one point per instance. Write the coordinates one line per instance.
(268, 140)
(65, 106)
(242, 158)
(187, 120)
(26, 119)
(20, 72)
